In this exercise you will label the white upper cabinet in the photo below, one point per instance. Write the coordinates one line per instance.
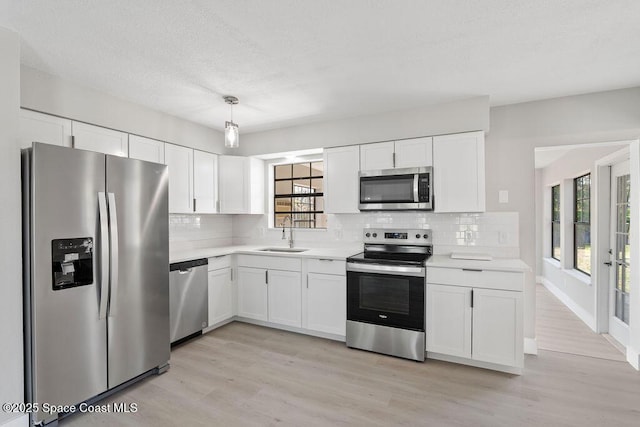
(150, 150)
(102, 140)
(38, 127)
(205, 185)
(341, 183)
(180, 162)
(414, 153)
(241, 185)
(458, 173)
(377, 156)
(407, 153)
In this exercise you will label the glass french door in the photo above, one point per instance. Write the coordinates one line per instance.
(620, 271)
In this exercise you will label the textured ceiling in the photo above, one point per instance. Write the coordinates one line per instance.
(300, 61)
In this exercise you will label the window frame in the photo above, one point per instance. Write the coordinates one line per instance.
(580, 212)
(556, 220)
(293, 195)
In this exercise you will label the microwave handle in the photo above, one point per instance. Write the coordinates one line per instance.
(416, 196)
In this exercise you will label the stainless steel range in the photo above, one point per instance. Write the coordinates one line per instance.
(386, 293)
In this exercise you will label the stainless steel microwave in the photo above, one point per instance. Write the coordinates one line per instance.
(396, 189)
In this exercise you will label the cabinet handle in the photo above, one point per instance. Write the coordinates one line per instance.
(471, 298)
(73, 141)
(194, 204)
(266, 276)
(472, 269)
(231, 271)
(307, 280)
(325, 259)
(218, 206)
(394, 159)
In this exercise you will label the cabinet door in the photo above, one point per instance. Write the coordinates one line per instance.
(38, 127)
(377, 156)
(150, 150)
(220, 295)
(497, 327)
(252, 293)
(341, 183)
(449, 315)
(327, 303)
(285, 298)
(458, 173)
(180, 163)
(234, 186)
(414, 153)
(205, 168)
(102, 140)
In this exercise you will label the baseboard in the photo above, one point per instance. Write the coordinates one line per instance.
(22, 421)
(304, 331)
(633, 357)
(582, 314)
(514, 370)
(530, 346)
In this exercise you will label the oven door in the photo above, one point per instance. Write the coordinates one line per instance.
(386, 295)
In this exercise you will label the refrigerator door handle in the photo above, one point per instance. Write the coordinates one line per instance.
(104, 255)
(113, 234)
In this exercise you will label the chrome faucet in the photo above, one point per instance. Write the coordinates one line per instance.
(288, 217)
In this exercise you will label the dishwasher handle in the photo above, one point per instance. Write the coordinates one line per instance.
(186, 267)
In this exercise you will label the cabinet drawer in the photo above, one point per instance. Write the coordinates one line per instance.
(506, 280)
(270, 262)
(218, 262)
(327, 266)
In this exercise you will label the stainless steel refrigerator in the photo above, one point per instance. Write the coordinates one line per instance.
(96, 273)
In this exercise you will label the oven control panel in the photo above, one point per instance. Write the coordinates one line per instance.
(398, 237)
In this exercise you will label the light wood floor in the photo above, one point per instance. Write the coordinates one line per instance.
(559, 329)
(244, 375)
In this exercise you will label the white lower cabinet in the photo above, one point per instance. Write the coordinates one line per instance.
(327, 303)
(252, 293)
(270, 289)
(284, 297)
(220, 295)
(475, 323)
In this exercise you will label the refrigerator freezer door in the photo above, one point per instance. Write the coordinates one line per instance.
(138, 330)
(67, 341)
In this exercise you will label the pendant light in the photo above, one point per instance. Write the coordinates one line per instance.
(231, 132)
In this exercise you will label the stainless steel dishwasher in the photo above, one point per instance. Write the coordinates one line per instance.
(188, 298)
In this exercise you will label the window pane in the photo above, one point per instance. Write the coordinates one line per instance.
(282, 204)
(301, 170)
(280, 220)
(319, 203)
(283, 188)
(317, 169)
(583, 248)
(316, 185)
(303, 204)
(301, 186)
(555, 234)
(282, 171)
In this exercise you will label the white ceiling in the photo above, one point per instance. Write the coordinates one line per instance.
(300, 61)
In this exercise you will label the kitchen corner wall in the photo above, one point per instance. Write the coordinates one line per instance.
(11, 356)
(495, 233)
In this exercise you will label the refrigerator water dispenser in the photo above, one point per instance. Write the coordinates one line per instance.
(71, 262)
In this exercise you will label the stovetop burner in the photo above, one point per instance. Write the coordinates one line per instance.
(395, 247)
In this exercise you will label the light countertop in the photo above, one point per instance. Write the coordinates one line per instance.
(338, 253)
(496, 264)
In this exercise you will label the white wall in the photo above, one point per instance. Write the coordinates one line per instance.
(11, 355)
(461, 116)
(50, 94)
(192, 231)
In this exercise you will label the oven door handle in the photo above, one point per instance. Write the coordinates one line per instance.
(395, 270)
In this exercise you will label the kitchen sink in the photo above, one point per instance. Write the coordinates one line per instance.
(287, 250)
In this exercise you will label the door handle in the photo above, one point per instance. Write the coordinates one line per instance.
(608, 263)
(113, 237)
(104, 255)
(187, 271)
